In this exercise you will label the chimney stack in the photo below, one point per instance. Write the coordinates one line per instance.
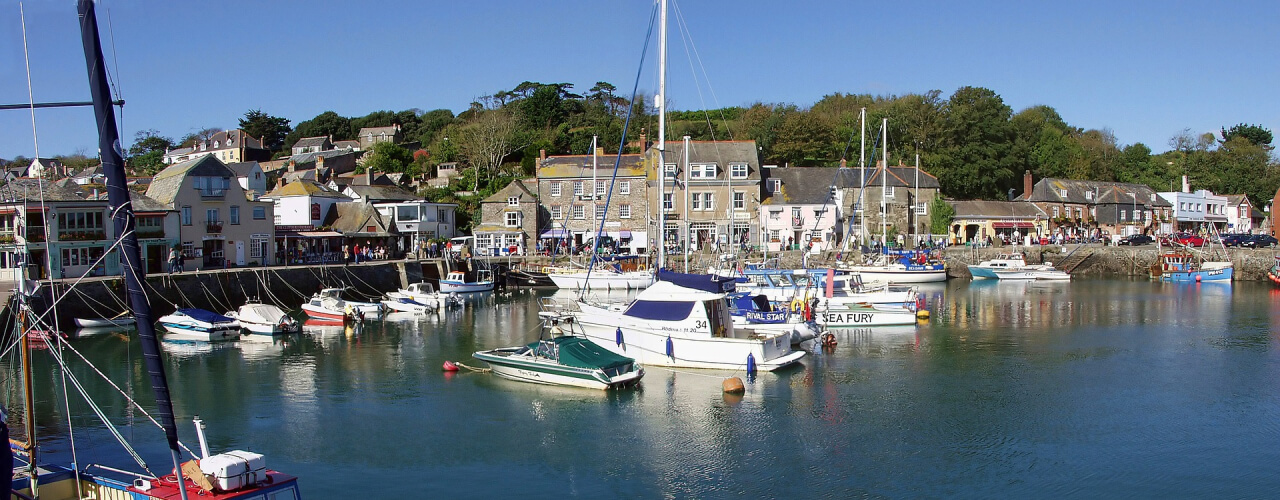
(844, 163)
(293, 166)
(542, 157)
(368, 176)
(1026, 185)
(1186, 184)
(644, 141)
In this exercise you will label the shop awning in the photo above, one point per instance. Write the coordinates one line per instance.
(624, 234)
(319, 234)
(556, 233)
(1012, 225)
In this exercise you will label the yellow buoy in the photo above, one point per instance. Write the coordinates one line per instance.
(922, 314)
(733, 385)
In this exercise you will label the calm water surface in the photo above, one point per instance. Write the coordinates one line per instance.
(1091, 389)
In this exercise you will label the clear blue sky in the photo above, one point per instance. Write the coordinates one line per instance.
(1146, 70)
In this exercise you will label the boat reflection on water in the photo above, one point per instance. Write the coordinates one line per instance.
(259, 347)
(183, 349)
(868, 340)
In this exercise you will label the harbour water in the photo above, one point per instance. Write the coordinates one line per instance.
(1091, 389)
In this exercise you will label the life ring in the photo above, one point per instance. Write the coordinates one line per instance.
(641, 267)
(797, 305)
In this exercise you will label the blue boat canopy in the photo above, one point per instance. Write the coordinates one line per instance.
(662, 311)
(205, 316)
(705, 282)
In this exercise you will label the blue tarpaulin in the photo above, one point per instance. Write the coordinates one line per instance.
(205, 316)
(664, 311)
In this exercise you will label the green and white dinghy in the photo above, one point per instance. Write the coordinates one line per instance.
(564, 360)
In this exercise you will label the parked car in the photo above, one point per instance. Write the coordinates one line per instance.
(1231, 240)
(1260, 241)
(1136, 239)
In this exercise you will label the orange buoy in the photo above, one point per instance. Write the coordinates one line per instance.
(449, 366)
(733, 385)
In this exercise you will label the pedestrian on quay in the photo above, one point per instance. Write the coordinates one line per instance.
(173, 260)
(182, 262)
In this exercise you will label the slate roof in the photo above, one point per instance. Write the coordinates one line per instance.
(722, 153)
(354, 218)
(346, 144)
(517, 188)
(165, 185)
(300, 175)
(983, 209)
(309, 142)
(304, 188)
(310, 157)
(802, 185)
(374, 194)
(25, 189)
(1237, 199)
(899, 176)
(243, 168)
(1050, 190)
(579, 166)
(144, 203)
(354, 179)
(389, 130)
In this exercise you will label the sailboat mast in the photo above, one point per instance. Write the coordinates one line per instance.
(916, 199)
(594, 189)
(862, 182)
(688, 225)
(122, 215)
(884, 184)
(662, 137)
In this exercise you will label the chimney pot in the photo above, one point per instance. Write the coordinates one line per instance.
(542, 156)
(1026, 184)
(844, 163)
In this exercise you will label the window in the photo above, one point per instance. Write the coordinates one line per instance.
(775, 236)
(579, 212)
(624, 211)
(259, 213)
(775, 185)
(513, 219)
(602, 188)
(1055, 212)
(922, 209)
(186, 215)
(257, 244)
(667, 204)
(1093, 212)
(671, 170)
(235, 215)
(80, 226)
(624, 187)
(707, 202)
(1088, 195)
(555, 188)
(556, 213)
(1062, 193)
(513, 201)
(739, 200)
(739, 170)
(888, 192)
(211, 216)
(1122, 215)
(444, 215)
(188, 250)
(577, 188)
(600, 211)
(698, 171)
(696, 201)
(83, 256)
(406, 213)
(795, 212)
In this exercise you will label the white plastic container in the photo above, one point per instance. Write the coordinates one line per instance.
(235, 469)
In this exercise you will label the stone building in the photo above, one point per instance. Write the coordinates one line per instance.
(707, 198)
(1082, 208)
(228, 146)
(509, 220)
(575, 193)
(877, 201)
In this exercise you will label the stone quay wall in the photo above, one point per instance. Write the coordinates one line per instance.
(1104, 261)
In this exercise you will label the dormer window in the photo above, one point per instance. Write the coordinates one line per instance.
(1088, 195)
(1062, 193)
(775, 185)
(1153, 197)
(513, 201)
(739, 170)
(215, 144)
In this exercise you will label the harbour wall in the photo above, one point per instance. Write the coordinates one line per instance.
(226, 289)
(1250, 264)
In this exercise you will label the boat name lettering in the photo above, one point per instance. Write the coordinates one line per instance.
(854, 318)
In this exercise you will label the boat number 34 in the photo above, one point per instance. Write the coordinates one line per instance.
(700, 324)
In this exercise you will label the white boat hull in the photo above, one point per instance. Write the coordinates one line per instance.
(646, 344)
(398, 306)
(219, 335)
(876, 273)
(546, 372)
(464, 287)
(602, 280)
(865, 316)
(105, 323)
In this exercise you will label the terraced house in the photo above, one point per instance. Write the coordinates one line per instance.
(1085, 208)
(219, 225)
(708, 193)
(574, 191)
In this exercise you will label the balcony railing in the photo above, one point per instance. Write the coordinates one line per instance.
(213, 227)
(797, 222)
(7, 237)
(211, 194)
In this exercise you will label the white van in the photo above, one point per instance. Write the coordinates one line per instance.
(460, 242)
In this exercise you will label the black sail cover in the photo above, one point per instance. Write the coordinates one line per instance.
(122, 215)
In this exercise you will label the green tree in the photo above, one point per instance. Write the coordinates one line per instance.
(487, 141)
(387, 157)
(327, 123)
(804, 139)
(973, 160)
(146, 155)
(941, 214)
(1253, 133)
(271, 129)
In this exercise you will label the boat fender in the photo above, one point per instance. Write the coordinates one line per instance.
(618, 335)
(671, 348)
(449, 366)
(733, 385)
(751, 364)
(828, 340)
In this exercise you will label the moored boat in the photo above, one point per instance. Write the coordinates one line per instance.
(903, 266)
(462, 282)
(264, 319)
(1274, 273)
(329, 304)
(682, 321)
(116, 322)
(200, 325)
(1184, 267)
(865, 315)
(563, 360)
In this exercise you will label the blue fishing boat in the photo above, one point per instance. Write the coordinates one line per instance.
(1184, 267)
